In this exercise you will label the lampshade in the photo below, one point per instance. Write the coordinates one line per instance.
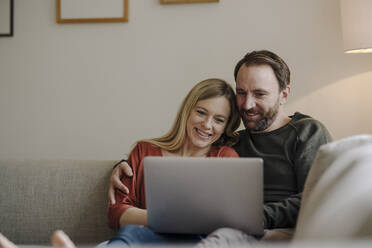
(356, 21)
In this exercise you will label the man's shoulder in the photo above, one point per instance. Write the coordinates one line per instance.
(301, 120)
(301, 126)
(306, 126)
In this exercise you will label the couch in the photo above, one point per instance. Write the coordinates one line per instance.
(38, 197)
(337, 198)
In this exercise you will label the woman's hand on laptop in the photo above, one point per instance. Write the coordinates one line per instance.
(123, 169)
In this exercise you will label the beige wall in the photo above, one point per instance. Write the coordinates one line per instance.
(88, 91)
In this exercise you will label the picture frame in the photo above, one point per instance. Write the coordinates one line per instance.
(92, 11)
(187, 1)
(6, 18)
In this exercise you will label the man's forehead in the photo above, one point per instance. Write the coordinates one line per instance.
(256, 77)
(256, 85)
(255, 88)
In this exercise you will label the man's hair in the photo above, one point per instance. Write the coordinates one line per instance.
(265, 57)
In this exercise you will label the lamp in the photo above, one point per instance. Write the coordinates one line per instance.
(356, 21)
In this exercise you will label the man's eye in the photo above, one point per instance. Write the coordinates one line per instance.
(240, 93)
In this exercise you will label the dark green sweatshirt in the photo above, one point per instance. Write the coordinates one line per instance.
(288, 153)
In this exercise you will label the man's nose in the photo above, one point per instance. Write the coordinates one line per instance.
(249, 103)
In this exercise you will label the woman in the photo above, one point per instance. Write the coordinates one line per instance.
(204, 127)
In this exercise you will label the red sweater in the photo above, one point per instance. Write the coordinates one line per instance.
(135, 184)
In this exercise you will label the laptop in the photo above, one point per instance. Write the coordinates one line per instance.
(194, 195)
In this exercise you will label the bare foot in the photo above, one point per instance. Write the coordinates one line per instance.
(60, 239)
(5, 243)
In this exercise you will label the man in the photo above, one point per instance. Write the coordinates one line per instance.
(288, 145)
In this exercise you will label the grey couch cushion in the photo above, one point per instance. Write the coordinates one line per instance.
(38, 197)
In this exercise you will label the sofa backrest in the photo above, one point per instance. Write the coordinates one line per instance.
(38, 197)
(337, 202)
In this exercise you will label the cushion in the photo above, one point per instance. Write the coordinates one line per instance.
(38, 197)
(337, 202)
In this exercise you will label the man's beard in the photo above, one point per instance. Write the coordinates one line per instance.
(264, 122)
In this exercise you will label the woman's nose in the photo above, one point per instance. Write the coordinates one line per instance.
(207, 123)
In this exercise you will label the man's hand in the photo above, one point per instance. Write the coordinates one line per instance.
(122, 169)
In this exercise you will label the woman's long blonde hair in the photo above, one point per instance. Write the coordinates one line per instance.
(209, 88)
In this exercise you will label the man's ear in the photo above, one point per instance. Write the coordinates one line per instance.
(284, 95)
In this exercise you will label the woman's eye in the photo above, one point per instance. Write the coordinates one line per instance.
(200, 112)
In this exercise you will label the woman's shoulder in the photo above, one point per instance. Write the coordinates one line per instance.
(223, 151)
(146, 148)
(144, 144)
